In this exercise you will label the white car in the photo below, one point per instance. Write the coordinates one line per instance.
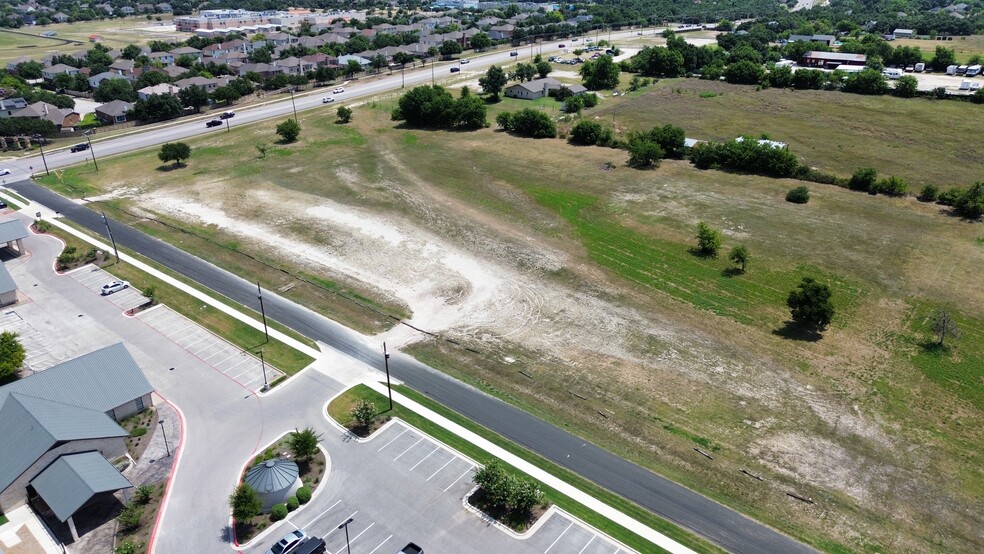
(463, 62)
(287, 544)
(338, 90)
(327, 99)
(4, 171)
(115, 286)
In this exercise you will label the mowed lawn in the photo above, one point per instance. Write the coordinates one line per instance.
(963, 47)
(115, 33)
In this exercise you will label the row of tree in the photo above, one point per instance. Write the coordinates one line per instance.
(433, 106)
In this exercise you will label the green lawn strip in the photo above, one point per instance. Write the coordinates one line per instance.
(341, 407)
(20, 200)
(3, 519)
(276, 353)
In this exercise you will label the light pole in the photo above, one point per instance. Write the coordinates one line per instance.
(348, 546)
(432, 72)
(43, 159)
(111, 239)
(403, 79)
(91, 151)
(259, 294)
(266, 386)
(166, 448)
(389, 387)
(291, 89)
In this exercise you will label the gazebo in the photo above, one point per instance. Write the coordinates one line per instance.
(275, 480)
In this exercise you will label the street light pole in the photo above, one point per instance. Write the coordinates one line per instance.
(266, 386)
(166, 448)
(91, 151)
(291, 89)
(432, 72)
(259, 294)
(348, 545)
(111, 239)
(43, 159)
(403, 79)
(389, 387)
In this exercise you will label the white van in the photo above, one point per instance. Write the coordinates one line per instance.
(892, 72)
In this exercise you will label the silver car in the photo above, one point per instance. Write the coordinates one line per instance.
(287, 544)
(115, 286)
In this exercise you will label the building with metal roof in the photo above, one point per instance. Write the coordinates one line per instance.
(13, 233)
(275, 480)
(74, 479)
(8, 288)
(68, 409)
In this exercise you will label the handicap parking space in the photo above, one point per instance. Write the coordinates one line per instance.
(93, 278)
(239, 365)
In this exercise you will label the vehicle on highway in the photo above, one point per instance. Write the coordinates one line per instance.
(455, 69)
(327, 99)
(227, 115)
(338, 90)
(289, 543)
(213, 123)
(411, 548)
(574, 39)
(4, 171)
(115, 286)
(561, 46)
(80, 147)
(514, 54)
(463, 62)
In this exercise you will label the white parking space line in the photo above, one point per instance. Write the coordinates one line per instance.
(192, 343)
(391, 440)
(363, 531)
(317, 517)
(442, 467)
(593, 537)
(424, 458)
(408, 449)
(458, 479)
(335, 527)
(558, 538)
(381, 544)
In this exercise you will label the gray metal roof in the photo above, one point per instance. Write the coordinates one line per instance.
(12, 229)
(32, 426)
(7, 283)
(272, 475)
(100, 380)
(71, 480)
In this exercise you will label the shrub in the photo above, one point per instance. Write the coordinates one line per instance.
(928, 193)
(970, 203)
(293, 503)
(504, 120)
(344, 114)
(590, 99)
(587, 132)
(532, 123)
(138, 432)
(245, 502)
(278, 512)
(364, 413)
(289, 130)
(949, 197)
(43, 226)
(798, 195)
(303, 495)
(708, 240)
(144, 492)
(127, 547)
(644, 153)
(863, 179)
(978, 96)
(129, 518)
(893, 186)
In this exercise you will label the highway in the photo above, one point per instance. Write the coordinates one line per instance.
(719, 524)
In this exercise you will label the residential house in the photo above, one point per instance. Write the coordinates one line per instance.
(279, 39)
(208, 84)
(294, 66)
(172, 71)
(163, 58)
(187, 51)
(60, 17)
(321, 60)
(312, 42)
(113, 112)
(531, 90)
(164, 7)
(61, 117)
(127, 10)
(63, 422)
(123, 66)
(161, 89)
(9, 105)
(264, 70)
(51, 72)
(96, 80)
(904, 33)
(344, 60)
(12, 64)
(501, 32)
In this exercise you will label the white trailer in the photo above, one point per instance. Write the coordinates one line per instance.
(920, 67)
(973, 70)
(964, 85)
(951, 70)
(892, 72)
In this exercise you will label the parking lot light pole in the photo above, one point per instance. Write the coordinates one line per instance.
(91, 151)
(389, 387)
(166, 448)
(348, 546)
(111, 239)
(266, 386)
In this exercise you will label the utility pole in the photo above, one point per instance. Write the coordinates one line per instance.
(291, 89)
(111, 239)
(259, 294)
(43, 159)
(389, 387)
(91, 151)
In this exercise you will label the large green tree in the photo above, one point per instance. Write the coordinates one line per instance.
(708, 240)
(970, 203)
(943, 58)
(115, 89)
(449, 48)
(193, 96)
(289, 130)
(12, 354)
(480, 41)
(177, 152)
(493, 81)
(600, 74)
(810, 304)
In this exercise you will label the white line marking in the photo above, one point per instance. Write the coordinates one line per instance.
(558, 538)
(336, 527)
(593, 536)
(381, 544)
(317, 517)
(424, 458)
(458, 479)
(408, 449)
(363, 531)
(391, 440)
(453, 458)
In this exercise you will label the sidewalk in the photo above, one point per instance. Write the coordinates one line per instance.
(24, 534)
(351, 372)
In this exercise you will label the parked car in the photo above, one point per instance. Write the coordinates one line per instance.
(80, 147)
(289, 543)
(311, 545)
(411, 548)
(514, 54)
(327, 99)
(4, 171)
(115, 286)
(213, 123)
(227, 115)
(338, 90)
(455, 69)
(463, 62)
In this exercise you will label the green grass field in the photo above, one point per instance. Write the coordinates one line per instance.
(963, 47)
(72, 37)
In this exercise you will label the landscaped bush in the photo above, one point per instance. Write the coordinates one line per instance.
(798, 195)
(278, 512)
(129, 518)
(144, 492)
(138, 432)
(303, 495)
(292, 503)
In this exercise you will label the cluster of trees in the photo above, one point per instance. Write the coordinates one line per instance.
(516, 496)
(865, 179)
(587, 132)
(747, 156)
(432, 106)
(600, 74)
(647, 148)
(967, 202)
(527, 123)
(709, 243)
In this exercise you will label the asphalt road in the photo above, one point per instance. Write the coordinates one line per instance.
(680, 505)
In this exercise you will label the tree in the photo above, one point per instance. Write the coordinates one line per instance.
(944, 326)
(378, 62)
(525, 496)
(425, 106)
(344, 114)
(906, 87)
(352, 67)
(115, 89)
(588, 132)
(739, 255)
(480, 41)
(289, 130)
(157, 107)
(63, 81)
(449, 48)
(524, 72)
(943, 58)
(30, 70)
(644, 152)
(12, 354)
(810, 305)
(469, 112)
(245, 502)
(573, 104)
(928, 193)
(364, 413)
(798, 195)
(600, 74)
(708, 240)
(970, 203)
(174, 151)
(868, 81)
(543, 68)
(532, 123)
(977, 97)
(863, 179)
(493, 81)
(131, 52)
(494, 480)
(781, 77)
(227, 95)
(304, 444)
(744, 72)
(193, 96)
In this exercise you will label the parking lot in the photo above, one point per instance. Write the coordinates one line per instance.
(407, 481)
(94, 278)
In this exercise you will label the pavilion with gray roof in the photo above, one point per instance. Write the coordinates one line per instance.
(12, 234)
